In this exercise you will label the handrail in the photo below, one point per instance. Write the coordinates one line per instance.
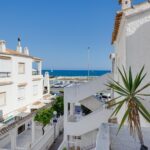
(89, 147)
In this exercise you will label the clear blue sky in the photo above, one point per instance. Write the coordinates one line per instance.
(60, 31)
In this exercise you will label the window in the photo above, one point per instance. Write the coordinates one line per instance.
(35, 90)
(21, 129)
(21, 93)
(21, 68)
(2, 98)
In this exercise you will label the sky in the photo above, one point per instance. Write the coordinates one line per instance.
(60, 31)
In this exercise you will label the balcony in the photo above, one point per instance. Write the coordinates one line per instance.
(5, 74)
(35, 73)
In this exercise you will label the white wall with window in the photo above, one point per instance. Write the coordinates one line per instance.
(5, 67)
(21, 68)
(21, 93)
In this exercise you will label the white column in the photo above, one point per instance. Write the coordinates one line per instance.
(13, 136)
(33, 130)
(71, 108)
(40, 67)
(65, 118)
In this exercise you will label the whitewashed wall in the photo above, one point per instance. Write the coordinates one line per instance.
(12, 102)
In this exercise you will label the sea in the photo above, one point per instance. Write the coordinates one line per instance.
(74, 73)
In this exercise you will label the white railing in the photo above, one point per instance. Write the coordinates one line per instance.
(89, 147)
(73, 118)
(82, 126)
(47, 139)
(103, 138)
(75, 145)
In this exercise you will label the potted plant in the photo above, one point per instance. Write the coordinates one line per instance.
(130, 93)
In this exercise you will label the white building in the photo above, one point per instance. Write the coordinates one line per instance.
(23, 89)
(81, 128)
(130, 39)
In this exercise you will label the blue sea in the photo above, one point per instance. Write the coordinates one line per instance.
(73, 73)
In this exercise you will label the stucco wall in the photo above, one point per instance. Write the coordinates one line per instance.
(12, 103)
(138, 49)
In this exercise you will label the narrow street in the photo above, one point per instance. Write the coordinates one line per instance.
(57, 142)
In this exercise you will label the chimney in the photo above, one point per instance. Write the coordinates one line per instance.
(19, 48)
(125, 4)
(2, 46)
(26, 51)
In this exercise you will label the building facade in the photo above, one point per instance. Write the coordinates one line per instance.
(23, 89)
(130, 39)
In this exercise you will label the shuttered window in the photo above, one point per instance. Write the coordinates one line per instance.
(21, 93)
(5, 65)
(2, 98)
(21, 68)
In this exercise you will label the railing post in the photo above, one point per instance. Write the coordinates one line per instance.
(33, 130)
(13, 138)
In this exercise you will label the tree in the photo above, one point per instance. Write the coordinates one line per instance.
(130, 93)
(59, 105)
(44, 116)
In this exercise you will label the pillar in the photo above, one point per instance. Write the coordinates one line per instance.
(40, 67)
(33, 130)
(13, 136)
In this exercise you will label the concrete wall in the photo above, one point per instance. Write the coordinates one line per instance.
(138, 50)
(109, 139)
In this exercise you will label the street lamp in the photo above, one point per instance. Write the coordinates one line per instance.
(54, 123)
(88, 63)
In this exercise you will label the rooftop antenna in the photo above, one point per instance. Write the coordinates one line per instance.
(19, 48)
(19, 40)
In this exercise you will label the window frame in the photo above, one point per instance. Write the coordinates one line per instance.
(4, 98)
(19, 97)
(21, 63)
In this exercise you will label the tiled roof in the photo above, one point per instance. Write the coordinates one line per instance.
(116, 26)
(13, 52)
(128, 12)
(120, 1)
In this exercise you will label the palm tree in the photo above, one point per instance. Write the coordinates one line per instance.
(130, 93)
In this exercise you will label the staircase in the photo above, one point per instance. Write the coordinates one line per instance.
(91, 103)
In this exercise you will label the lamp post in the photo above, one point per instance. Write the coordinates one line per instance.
(88, 63)
(54, 123)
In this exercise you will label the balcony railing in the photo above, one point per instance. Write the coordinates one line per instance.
(35, 72)
(5, 74)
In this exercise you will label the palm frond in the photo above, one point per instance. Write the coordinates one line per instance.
(141, 89)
